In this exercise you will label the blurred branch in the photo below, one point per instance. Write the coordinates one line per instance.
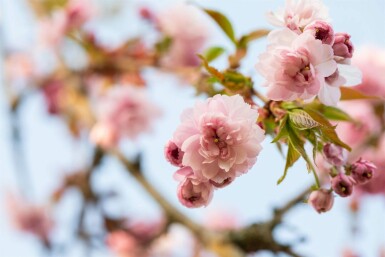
(259, 236)
(172, 213)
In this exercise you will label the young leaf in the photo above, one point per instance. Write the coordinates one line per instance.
(292, 156)
(254, 35)
(282, 132)
(214, 72)
(302, 120)
(337, 114)
(223, 23)
(352, 94)
(213, 53)
(327, 130)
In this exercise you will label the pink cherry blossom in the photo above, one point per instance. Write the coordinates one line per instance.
(220, 138)
(295, 66)
(345, 75)
(298, 14)
(321, 30)
(185, 25)
(371, 60)
(127, 110)
(193, 192)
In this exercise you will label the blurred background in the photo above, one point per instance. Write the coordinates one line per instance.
(49, 151)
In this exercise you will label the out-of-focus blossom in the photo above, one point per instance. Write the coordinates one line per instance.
(124, 245)
(297, 14)
(342, 46)
(321, 200)
(220, 138)
(127, 110)
(363, 171)
(52, 29)
(19, 66)
(220, 220)
(30, 218)
(173, 154)
(335, 154)
(342, 185)
(79, 12)
(371, 60)
(349, 253)
(104, 135)
(295, 66)
(193, 192)
(321, 30)
(366, 123)
(53, 92)
(185, 25)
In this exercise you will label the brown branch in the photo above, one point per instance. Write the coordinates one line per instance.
(172, 213)
(259, 236)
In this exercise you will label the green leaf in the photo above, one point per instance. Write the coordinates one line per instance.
(282, 131)
(254, 35)
(327, 130)
(213, 53)
(163, 45)
(235, 81)
(223, 23)
(334, 113)
(302, 120)
(291, 158)
(214, 72)
(352, 94)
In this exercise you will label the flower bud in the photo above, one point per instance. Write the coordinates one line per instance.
(342, 46)
(342, 185)
(362, 171)
(335, 154)
(173, 154)
(321, 30)
(192, 192)
(321, 200)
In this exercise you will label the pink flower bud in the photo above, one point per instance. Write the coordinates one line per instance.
(321, 30)
(342, 46)
(173, 154)
(104, 135)
(335, 154)
(321, 200)
(362, 171)
(342, 185)
(192, 192)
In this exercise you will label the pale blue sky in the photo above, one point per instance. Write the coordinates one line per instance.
(49, 152)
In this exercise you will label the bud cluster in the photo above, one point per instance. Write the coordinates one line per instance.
(344, 177)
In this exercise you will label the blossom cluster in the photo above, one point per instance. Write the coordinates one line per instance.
(216, 142)
(306, 58)
(344, 177)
